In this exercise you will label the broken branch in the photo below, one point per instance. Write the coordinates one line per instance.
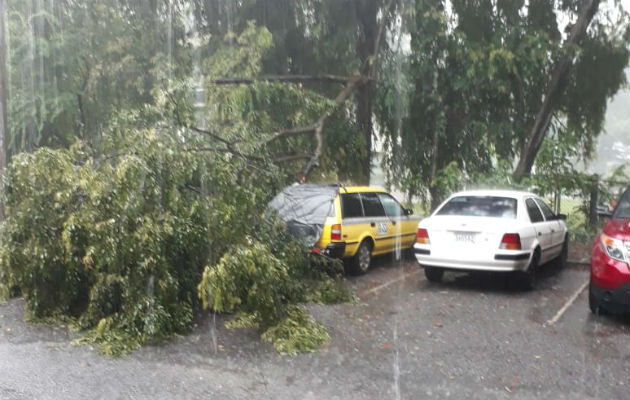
(285, 79)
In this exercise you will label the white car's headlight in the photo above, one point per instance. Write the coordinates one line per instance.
(615, 248)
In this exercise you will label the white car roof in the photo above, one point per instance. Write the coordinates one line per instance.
(517, 194)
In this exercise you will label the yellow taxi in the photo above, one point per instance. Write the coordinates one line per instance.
(350, 222)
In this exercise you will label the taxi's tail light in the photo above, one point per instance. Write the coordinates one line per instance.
(335, 232)
(423, 236)
(511, 241)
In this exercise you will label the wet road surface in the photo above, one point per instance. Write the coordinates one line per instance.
(472, 336)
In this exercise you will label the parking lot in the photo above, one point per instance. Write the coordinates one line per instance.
(473, 336)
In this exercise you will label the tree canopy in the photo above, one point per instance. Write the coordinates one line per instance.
(445, 82)
(478, 72)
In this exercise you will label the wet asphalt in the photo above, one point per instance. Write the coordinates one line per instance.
(470, 337)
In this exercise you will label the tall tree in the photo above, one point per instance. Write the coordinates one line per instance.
(3, 96)
(475, 86)
(558, 81)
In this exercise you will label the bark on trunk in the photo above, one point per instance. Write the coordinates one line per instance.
(364, 120)
(554, 90)
(367, 48)
(3, 98)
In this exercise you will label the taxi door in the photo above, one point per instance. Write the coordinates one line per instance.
(402, 227)
(380, 226)
(354, 225)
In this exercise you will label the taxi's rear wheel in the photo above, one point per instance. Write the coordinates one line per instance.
(362, 259)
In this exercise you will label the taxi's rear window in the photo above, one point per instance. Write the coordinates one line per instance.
(351, 205)
(480, 206)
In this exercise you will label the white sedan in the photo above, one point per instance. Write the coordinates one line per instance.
(491, 230)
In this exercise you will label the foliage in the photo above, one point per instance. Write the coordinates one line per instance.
(578, 228)
(263, 282)
(499, 178)
(556, 175)
(298, 332)
(119, 240)
(556, 170)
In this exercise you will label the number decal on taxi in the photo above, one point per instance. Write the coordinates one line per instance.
(381, 228)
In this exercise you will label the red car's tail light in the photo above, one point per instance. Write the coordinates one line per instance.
(335, 232)
(511, 241)
(423, 236)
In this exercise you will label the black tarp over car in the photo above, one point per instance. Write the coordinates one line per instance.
(304, 209)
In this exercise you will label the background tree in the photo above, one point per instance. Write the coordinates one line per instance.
(343, 39)
(3, 97)
(475, 92)
(74, 64)
(559, 78)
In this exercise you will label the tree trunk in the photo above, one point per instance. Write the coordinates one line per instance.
(434, 191)
(554, 90)
(3, 98)
(366, 46)
(594, 201)
(364, 120)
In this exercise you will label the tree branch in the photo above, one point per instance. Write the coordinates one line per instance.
(291, 157)
(291, 132)
(229, 144)
(285, 79)
(319, 125)
(248, 157)
(212, 135)
(350, 82)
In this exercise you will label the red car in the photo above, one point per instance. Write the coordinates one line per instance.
(610, 264)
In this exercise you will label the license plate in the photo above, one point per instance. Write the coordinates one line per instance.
(465, 237)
